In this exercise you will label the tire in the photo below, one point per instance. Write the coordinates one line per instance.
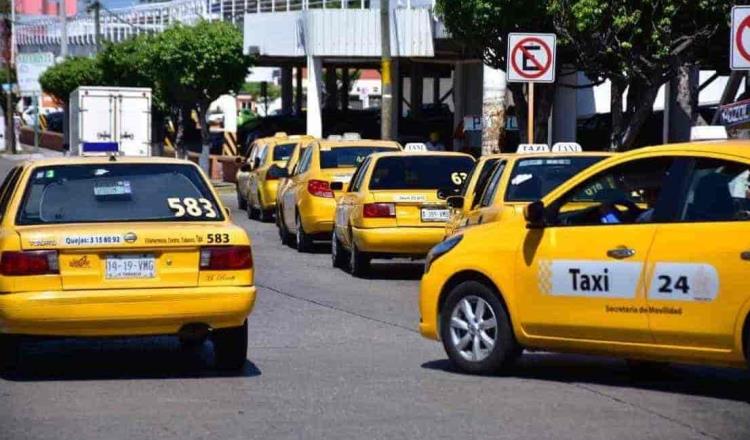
(464, 344)
(10, 352)
(286, 238)
(304, 241)
(265, 215)
(338, 255)
(252, 213)
(230, 347)
(359, 262)
(241, 202)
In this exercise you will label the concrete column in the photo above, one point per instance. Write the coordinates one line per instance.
(474, 94)
(331, 88)
(564, 108)
(436, 89)
(398, 97)
(287, 90)
(314, 92)
(346, 85)
(299, 97)
(493, 109)
(416, 85)
(459, 94)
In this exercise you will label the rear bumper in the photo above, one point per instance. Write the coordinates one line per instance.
(404, 240)
(125, 312)
(268, 198)
(317, 214)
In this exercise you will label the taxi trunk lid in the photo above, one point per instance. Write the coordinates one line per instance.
(100, 256)
(415, 208)
(343, 175)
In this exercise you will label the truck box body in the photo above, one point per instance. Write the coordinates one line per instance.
(104, 120)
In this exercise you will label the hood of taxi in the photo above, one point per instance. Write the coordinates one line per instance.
(128, 235)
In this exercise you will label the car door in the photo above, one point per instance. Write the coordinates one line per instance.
(298, 184)
(348, 202)
(581, 276)
(699, 263)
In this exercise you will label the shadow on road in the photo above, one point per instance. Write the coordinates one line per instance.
(395, 270)
(108, 359)
(728, 384)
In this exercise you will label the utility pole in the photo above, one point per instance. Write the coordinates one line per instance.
(386, 115)
(97, 25)
(10, 136)
(63, 13)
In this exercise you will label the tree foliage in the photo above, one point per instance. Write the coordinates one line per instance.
(61, 79)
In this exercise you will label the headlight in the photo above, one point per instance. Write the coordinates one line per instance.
(441, 249)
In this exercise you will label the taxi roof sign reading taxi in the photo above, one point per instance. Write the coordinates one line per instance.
(531, 57)
(532, 148)
(739, 57)
(415, 146)
(567, 147)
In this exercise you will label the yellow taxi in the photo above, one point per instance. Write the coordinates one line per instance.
(392, 207)
(260, 186)
(500, 186)
(245, 163)
(286, 182)
(309, 203)
(121, 247)
(643, 256)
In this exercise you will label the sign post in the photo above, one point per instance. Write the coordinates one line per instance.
(531, 59)
(739, 57)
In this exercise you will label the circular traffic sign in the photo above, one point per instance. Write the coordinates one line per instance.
(744, 24)
(542, 67)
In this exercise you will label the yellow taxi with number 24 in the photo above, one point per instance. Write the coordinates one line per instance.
(121, 247)
(391, 207)
(643, 256)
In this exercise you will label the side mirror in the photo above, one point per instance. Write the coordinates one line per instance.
(456, 202)
(337, 186)
(245, 168)
(534, 214)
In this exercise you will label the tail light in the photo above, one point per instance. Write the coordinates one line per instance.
(29, 263)
(379, 210)
(226, 258)
(320, 188)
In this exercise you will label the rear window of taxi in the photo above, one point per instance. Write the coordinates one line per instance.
(348, 157)
(533, 178)
(420, 172)
(100, 193)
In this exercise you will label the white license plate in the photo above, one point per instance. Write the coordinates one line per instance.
(435, 215)
(130, 266)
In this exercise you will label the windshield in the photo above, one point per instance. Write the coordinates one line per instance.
(421, 172)
(283, 151)
(533, 178)
(117, 193)
(348, 157)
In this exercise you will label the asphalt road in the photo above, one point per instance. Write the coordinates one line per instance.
(335, 357)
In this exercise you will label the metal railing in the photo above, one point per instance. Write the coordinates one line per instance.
(120, 24)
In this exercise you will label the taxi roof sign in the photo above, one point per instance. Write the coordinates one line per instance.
(532, 148)
(335, 137)
(708, 133)
(567, 147)
(415, 146)
(351, 136)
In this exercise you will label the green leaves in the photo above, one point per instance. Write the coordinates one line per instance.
(61, 79)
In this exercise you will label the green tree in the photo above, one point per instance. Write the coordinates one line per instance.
(62, 78)
(481, 27)
(638, 46)
(197, 64)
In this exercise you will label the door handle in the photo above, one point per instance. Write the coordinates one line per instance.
(621, 253)
(745, 255)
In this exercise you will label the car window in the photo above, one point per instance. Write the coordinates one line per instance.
(420, 172)
(7, 188)
(359, 175)
(625, 194)
(283, 151)
(347, 157)
(251, 152)
(304, 163)
(533, 178)
(482, 180)
(493, 184)
(717, 190)
(117, 193)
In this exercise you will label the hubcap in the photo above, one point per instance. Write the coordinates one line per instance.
(473, 328)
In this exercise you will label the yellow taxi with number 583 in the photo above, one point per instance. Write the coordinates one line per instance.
(98, 246)
(643, 256)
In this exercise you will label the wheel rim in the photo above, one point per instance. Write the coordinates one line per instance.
(473, 328)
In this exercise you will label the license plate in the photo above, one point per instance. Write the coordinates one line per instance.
(435, 215)
(130, 266)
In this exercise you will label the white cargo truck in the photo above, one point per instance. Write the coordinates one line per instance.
(107, 120)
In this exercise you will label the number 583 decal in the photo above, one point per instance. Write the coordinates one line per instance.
(191, 207)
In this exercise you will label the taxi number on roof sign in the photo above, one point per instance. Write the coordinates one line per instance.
(191, 207)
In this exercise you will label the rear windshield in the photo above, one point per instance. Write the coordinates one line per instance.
(533, 178)
(348, 157)
(283, 151)
(421, 172)
(117, 193)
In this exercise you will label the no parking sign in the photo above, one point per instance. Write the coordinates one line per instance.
(531, 57)
(739, 58)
